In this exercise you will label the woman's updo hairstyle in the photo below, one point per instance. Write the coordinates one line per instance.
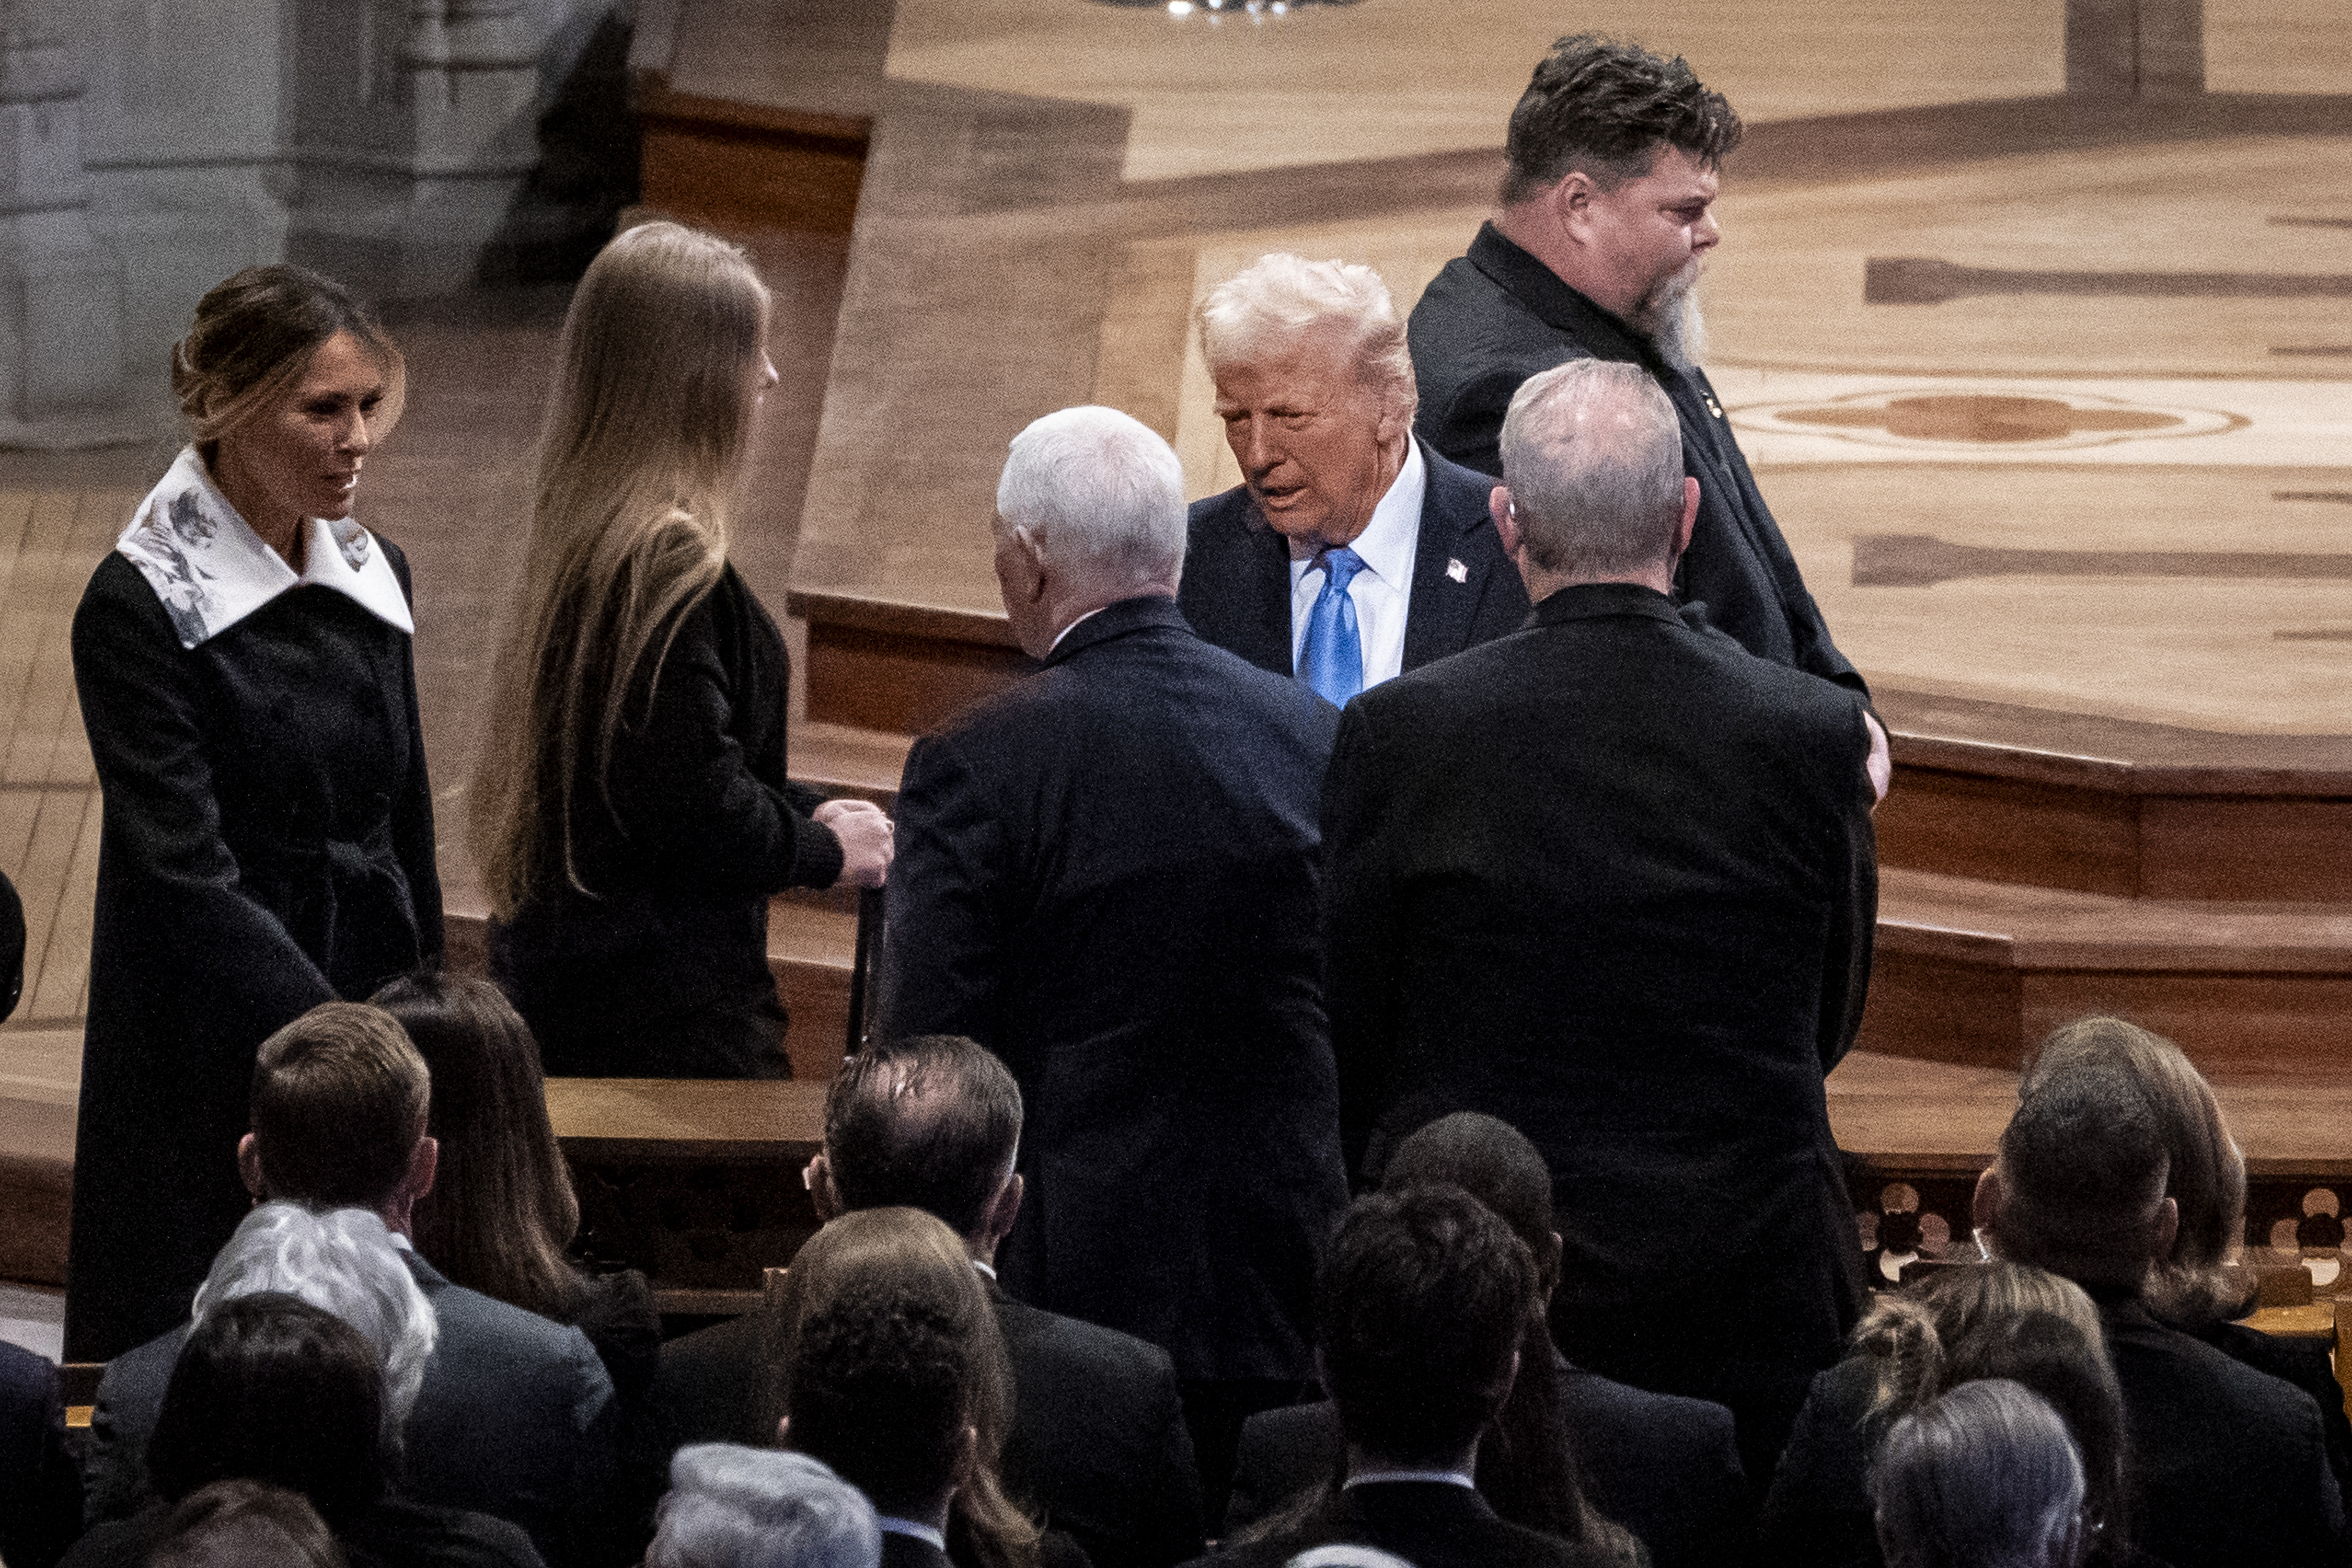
(254, 336)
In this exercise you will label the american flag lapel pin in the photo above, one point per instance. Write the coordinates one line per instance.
(1455, 570)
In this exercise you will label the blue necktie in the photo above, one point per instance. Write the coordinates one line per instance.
(1332, 659)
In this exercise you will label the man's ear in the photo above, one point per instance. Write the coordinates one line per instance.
(1570, 202)
(2168, 1229)
(1690, 516)
(248, 1165)
(1003, 1209)
(1506, 521)
(823, 1196)
(1984, 1210)
(1031, 552)
(424, 1165)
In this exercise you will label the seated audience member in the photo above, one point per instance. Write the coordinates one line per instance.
(2205, 1176)
(502, 1210)
(892, 1371)
(245, 1524)
(268, 1387)
(1960, 1326)
(732, 1507)
(2228, 1465)
(515, 1415)
(1097, 1442)
(40, 1490)
(1665, 1468)
(1986, 1477)
(1421, 1310)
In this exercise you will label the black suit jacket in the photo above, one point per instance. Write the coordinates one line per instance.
(1237, 588)
(1611, 879)
(515, 1419)
(40, 1502)
(1662, 1466)
(2228, 1465)
(1430, 1524)
(1491, 319)
(1099, 1444)
(1107, 875)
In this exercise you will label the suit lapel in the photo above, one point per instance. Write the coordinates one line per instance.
(1267, 626)
(1439, 612)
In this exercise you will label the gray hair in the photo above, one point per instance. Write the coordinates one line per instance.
(1279, 297)
(1592, 456)
(731, 1507)
(1100, 491)
(342, 1262)
(1343, 1554)
(1987, 1476)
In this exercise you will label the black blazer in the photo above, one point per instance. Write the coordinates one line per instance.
(704, 824)
(1237, 587)
(1098, 1447)
(1611, 879)
(1664, 1467)
(1107, 875)
(1430, 1524)
(515, 1419)
(266, 845)
(40, 1505)
(2228, 1465)
(1491, 319)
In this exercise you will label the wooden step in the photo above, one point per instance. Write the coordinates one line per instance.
(40, 1081)
(1971, 973)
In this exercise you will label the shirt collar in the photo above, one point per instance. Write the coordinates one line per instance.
(915, 1528)
(211, 569)
(1387, 544)
(1424, 1477)
(984, 1267)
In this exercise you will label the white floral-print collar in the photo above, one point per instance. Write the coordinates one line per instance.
(211, 569)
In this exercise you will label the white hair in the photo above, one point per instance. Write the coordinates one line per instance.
(342, 1262)
(1592, 455)
(1279, 298)
(1101, 493)
(731, 1507)
(1987, 1476)
(1343, 1555)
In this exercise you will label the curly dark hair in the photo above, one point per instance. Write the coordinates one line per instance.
(1604, 108)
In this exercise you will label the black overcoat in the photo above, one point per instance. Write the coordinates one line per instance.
(266, 845)
(1107, 875)
(1613, 881)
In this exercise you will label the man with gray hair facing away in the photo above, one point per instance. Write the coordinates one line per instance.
(1107, 875)
(1350, 551)
(1611, 879)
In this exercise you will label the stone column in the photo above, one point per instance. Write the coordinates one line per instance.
(61, 370)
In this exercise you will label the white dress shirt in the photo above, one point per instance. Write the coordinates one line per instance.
(1383, 589)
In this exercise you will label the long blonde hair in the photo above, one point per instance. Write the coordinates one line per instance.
(657, 374)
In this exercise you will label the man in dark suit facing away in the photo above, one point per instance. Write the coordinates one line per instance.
(1662, 1466)
(1338, 501)
(1419, 1315)
(1108, 876)
(1097, 1442)
(516, 1415)
(1611, 879)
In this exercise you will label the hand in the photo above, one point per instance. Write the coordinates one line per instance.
(1880, 765)
(865, 834)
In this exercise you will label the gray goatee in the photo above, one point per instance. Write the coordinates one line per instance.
(1672, 318)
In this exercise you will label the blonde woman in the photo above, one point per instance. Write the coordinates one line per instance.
(243, 662)
(632, 814)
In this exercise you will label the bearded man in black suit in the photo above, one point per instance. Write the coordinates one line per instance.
(1107, 875)
(1606, 215)
(1611, 879)
(1337, 499)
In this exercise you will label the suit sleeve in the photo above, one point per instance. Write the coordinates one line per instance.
(141, 710)
(412, 810)
(1853, 907)
(944, 949)
(686, 792)
(1360, 946)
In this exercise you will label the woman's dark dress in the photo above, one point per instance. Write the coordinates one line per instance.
(268, 846)
(661, 970)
